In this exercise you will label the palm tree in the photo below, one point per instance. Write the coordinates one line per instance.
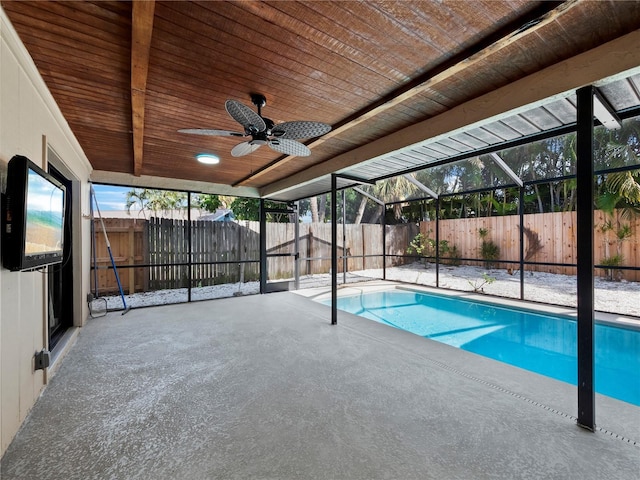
(155, 201)
(390, 190)
(619, 148)
(139, 197)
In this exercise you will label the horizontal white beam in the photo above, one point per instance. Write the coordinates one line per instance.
(422, 187)
(147, 181)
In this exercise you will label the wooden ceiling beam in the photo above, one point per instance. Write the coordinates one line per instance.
(505, 36)
(141, 32)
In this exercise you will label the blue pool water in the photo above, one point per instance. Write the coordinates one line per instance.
(541, 343)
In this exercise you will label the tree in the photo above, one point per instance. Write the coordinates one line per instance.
(249, 209)
(313, 206)
(619, 148)
(156, 201)
(390, 190)
(208, 202)
(246, 208)
(139, 197)
(318, 207)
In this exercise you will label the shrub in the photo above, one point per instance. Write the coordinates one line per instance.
(613, 274)
(489, 251)
(478, 285)
(426, 247)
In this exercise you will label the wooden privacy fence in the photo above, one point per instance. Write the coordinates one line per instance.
(556, 233)
(161, 241)
(315, 247)
(157, 242)
(129, 245)
(226, 242)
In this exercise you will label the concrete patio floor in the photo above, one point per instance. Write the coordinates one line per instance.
(264, 387)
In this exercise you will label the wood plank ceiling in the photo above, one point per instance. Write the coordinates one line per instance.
(128, 76)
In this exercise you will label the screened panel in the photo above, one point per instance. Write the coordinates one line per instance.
(546, 159)
(617, 148)
(459, 177)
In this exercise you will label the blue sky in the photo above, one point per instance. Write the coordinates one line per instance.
(110, 197)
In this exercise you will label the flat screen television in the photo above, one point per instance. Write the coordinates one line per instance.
(32, 217)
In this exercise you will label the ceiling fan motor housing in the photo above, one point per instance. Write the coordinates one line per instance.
(258, 100)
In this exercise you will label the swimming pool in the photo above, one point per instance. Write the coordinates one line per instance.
(542, 343)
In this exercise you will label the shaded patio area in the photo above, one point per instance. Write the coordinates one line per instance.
(264, 387)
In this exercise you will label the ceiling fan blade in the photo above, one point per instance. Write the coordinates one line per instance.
(300, 129)
(244, 148)
(250, 120)
(204, 131)
(290, 147)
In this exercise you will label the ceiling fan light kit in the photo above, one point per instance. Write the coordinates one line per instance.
(282, 137)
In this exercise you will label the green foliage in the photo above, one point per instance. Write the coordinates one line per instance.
(444, 246)
(208, 202)
(478, 285)
(620, 233)
(425, 246)
(155, 201)
(249, 209)
(454, 256)
(624, 232)
(613, 261)
(502, 208)
(613, 274)
(417, 245)
(489, 251)
(246, 208)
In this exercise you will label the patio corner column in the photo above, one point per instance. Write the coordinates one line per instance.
(189, 248)
(521, 236)
(334, 251)
(438, 242)
(384, 241)
(296, 241)
(263, 248)
(344, 237)
(584, 216)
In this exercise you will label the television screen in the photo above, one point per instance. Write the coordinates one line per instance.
(33, 217)
(45, 217)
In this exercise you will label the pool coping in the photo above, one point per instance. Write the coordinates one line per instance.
(604, 318)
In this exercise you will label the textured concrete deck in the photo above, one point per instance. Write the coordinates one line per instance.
(263, 387)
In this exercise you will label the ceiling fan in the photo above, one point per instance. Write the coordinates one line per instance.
(281, 137)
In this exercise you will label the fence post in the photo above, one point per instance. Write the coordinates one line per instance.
(132, 243)
(384, 242)
(521, 204)
(309, 251)
(438, 242)
(364, 249)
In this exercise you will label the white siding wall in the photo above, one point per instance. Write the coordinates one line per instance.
(28, 115)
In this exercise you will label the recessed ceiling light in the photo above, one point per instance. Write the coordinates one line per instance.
(208, 158)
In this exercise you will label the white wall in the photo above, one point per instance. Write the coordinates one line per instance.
(29, 120)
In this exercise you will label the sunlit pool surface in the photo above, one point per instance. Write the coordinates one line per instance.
(542, 343)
